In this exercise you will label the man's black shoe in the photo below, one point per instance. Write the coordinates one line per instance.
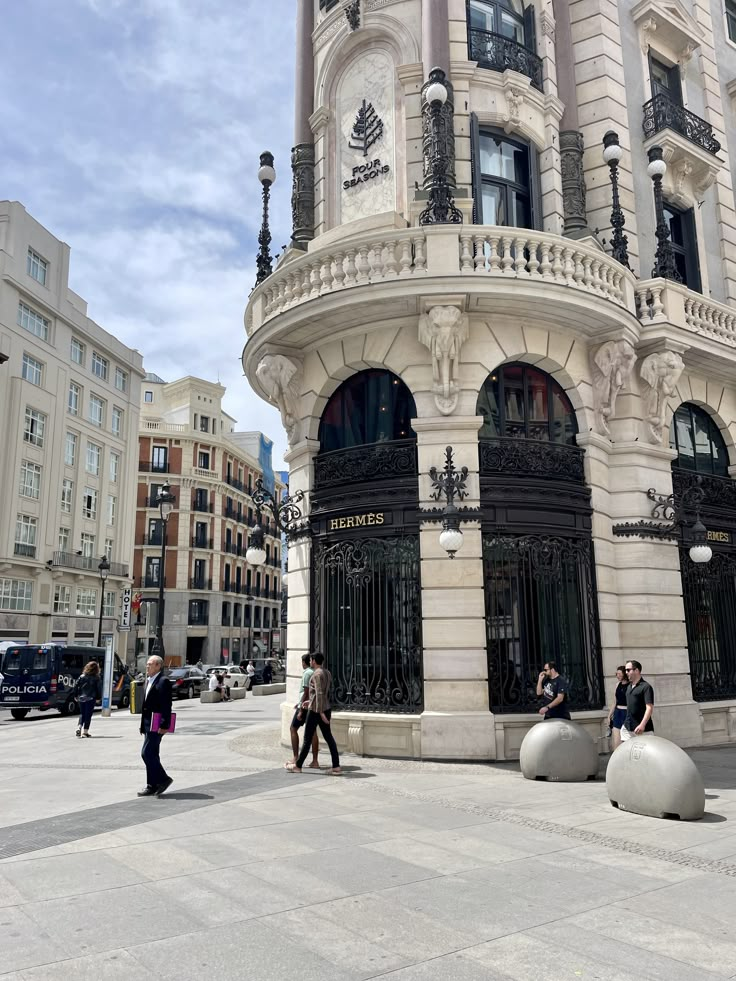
(163, 787)
(147, 792)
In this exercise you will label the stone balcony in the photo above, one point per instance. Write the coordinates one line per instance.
(495, 270)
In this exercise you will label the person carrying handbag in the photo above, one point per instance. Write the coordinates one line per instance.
(87, 690)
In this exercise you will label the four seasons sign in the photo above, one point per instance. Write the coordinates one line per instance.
(367, 131)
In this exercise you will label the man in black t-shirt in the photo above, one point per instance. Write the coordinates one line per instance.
(553, 688)
(639, 704)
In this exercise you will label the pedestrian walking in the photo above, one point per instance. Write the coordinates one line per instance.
(639, 704)
(300, 715)
(553, 689)
(319, 712)
(156, 700)
(617, 715)
(267, 673)
(87, 689)
(251, 672)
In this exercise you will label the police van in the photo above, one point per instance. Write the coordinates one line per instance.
(42, 676)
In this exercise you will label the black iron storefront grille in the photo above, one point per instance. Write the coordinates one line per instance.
(540, 606)
(532, 458)
(367, 620)
(709, 594)
(498, 53)
(374, 461)
(662, 113)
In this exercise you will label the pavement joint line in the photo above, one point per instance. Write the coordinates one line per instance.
(509, 816)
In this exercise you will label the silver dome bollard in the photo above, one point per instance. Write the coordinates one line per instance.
(558, 750)
(652, 776)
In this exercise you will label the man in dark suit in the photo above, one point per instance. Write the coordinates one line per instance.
(156, 698)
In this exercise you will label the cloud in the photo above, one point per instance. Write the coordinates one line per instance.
(136, 140)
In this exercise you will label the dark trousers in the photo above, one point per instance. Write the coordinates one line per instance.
(310, 727)
(86, 710)
(155, 773)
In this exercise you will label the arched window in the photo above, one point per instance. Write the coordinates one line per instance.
(698, 442)
(372, 406)
(522, 402)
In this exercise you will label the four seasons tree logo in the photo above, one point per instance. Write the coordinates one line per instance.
(368, 129)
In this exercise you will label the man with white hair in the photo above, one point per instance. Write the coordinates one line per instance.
(156, 700)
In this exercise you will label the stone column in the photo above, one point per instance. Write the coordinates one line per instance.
(302, 154)
(571, 139)
(435, 36)
(456, 722)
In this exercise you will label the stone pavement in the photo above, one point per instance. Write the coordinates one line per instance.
(398, 870)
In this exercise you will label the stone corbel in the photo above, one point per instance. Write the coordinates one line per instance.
(280, 380)
(660, 373)
(611, 365)
(444, 330)
(548, 26)
(514, 104)
(685, 57)
(648, 27)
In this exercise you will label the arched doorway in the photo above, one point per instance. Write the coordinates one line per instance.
(709, 590)
(538, 563)
(366, 593)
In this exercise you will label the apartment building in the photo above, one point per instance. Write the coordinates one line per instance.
(216, 608)
(69, 397)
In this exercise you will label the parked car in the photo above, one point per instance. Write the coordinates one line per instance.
(233, 675)
(278, 674)
(187, 682)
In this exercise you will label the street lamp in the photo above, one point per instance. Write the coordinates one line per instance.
(664, 257)
(165, 501)
(441, 206)
(286, 513)
(104, 570)
(450, 483)
(612, 154)
(670, 517)
(267, 176)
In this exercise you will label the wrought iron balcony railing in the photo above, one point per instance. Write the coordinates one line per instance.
(196, 582)
(198, 542)
(154, 539)
(661, 113)
(378, 461)
(199, 620)
(203, 506)
(145, 466)
(531, 458)
(88, 563)
(498, 53)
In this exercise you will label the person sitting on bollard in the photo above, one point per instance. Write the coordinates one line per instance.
(553, 689)
(617, 715)
(639, 704)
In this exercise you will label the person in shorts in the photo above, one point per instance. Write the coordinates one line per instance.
(639, 704)
(300, 715)
(617, 715)
(553, 690)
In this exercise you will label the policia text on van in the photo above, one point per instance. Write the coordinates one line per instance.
(43, 677)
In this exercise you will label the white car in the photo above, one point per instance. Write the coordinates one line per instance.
(233, 675)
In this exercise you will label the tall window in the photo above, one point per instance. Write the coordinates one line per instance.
(77, 351)
(114, 467)
(67, 495)
(203, 460)
(684, 245)
(64, 539)
(373, 406)
(121, 380)
(112, 509)
(93, 459)
(108, 609)
(96, 410)
(731, 19)
(117, 421)
(99, 366)
(70, 450)
(665, 80)
(503, 181)
(698, 442)
(32, 370)
(159, 459)
(75, 394)
(30, 480)
(88, 545)
(62, 599)
(86, 602)
(16, 594)
(35, 427)
(148, 396)
(36, 267)
(521, 402)
(33, 321)
(108, 549)
(89, 503)
(504, 17)
(25, 535)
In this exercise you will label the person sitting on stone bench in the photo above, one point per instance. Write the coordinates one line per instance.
(218, 685)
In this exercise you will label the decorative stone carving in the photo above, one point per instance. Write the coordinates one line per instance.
(444, 330)
(548, 26)
(611, 364)
(573, 183)
(352, 13)
(514, 102)
(302, 194)
(685, 56)
(660, 373)
(279, 378)
(647, 29)
(680, 173)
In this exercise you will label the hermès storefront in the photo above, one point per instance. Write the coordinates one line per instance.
(471, 268)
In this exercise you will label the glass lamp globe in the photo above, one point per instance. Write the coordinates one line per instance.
(436, 92)
(255, 555)
(612, 152)
(451, 539)
(657, 167)
(266, 174)
(701, 553)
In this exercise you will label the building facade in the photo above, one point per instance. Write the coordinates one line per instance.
(525, 333)
(216, 608)
(69, 399)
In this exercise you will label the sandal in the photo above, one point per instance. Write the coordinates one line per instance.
(292, 768)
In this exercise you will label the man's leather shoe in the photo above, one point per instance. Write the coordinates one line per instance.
(147, 792)
(163, 787)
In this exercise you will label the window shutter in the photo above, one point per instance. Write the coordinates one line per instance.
(530, 32)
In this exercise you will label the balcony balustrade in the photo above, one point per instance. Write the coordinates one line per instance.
(662, 113)
(499, 53)
(198, 542)
(145, 466)
(86, 563)
(196, 582)
(234, 482)
(151, 540)
(203, 506)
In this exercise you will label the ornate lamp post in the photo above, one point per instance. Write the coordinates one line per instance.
(612, 153)
(286, 513)
(104, 570)
(669, 517)
(441, 207)
(165, 501)
(267, 176)
(450, 483)
(664, 257)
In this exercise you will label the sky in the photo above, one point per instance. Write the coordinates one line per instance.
(132, 131)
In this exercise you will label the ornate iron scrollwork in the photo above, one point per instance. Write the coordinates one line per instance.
(709, 595)
(498, 53)
(661, 113)
(531, 458)
(374, 461)
(302, 194)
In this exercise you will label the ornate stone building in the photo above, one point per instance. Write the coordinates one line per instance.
(532, 338)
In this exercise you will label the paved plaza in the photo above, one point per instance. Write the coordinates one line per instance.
(398, 870)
